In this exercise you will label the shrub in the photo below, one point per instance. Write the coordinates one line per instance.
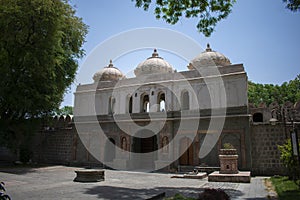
(290, 161)
(228, 146)
(213, 194)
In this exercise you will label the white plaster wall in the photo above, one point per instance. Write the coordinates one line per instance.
(201, 92)
(84, 104)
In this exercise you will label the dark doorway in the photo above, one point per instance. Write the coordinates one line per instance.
(110, 150)
(144, 145)
(186, 146)
(257, 117)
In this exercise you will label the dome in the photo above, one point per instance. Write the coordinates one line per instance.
(153, 65)
(108, 73)
(209, 58)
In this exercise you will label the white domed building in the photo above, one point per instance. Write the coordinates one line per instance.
(164, 119)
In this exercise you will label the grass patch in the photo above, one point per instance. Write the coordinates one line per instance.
(285, 188)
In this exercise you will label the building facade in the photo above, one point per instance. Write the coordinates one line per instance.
(162, 118)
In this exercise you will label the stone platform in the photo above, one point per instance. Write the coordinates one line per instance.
(201, 175)
(89, 175)
(240, 177)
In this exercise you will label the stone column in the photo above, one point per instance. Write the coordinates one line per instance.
(153, 101)
(136, 103)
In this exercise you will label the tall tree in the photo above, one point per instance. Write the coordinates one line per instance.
(40, 42)
(209, 12)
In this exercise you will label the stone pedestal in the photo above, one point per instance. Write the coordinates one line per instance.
(229, 169)
(228, 161)
(89, 175)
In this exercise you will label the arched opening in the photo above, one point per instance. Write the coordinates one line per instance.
(145, 105)
(185, 100)
(161, 101)
(258, 117)
(111, 105)
(186, 152)
(130, 104)
(110, 150)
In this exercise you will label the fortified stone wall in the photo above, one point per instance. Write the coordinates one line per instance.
(55, 147)
(265, 153)
(271, 126)
(58, 143)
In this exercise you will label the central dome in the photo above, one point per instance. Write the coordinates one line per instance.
(153, 65)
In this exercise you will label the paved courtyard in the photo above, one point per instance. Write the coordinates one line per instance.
(56, 182)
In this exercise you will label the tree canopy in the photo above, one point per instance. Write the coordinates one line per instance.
(40, 42)
(268, 93)
(209, 12)
(293, 5)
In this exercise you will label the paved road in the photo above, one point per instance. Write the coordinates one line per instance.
(56, 182)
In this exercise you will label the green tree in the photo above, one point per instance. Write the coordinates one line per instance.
(268, 93)
(290, 161)
(209, 12)
(66, 110)
(40, 42)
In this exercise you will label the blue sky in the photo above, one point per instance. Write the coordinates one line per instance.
(261, 34)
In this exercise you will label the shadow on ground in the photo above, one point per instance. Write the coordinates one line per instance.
(21, 169)
(110, 192)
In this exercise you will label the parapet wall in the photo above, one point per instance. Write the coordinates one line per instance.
(287, 112)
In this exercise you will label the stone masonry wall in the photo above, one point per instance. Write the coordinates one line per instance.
(54, 147)
(265, 153)
(61, 146)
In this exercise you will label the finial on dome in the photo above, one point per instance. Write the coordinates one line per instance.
(208, 47)
(110, 63)
(155, 54)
